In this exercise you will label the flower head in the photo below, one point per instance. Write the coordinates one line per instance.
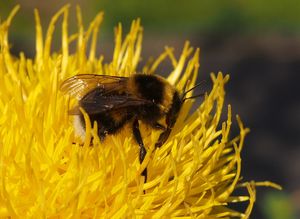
(44, 174)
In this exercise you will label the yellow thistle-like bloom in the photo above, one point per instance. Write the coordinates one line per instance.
(44, 175)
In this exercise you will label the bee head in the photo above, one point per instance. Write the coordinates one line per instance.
(174, 109)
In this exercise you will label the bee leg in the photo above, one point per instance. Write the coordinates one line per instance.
(163, 137)
(102, 134)
(138, 138)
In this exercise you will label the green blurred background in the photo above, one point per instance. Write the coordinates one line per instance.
(257, 42)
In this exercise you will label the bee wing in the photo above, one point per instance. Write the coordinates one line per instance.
(78, 85)
(103, 104)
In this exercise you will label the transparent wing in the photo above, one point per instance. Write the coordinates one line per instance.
(79, 85)
(94, 103)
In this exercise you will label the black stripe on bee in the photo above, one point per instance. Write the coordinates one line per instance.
(150, 87)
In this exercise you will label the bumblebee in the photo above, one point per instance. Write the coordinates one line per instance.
(114, 101)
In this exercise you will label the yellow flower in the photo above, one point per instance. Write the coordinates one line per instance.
(44, 175)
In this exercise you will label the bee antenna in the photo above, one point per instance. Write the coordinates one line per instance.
(192, 97)
(186, 92)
